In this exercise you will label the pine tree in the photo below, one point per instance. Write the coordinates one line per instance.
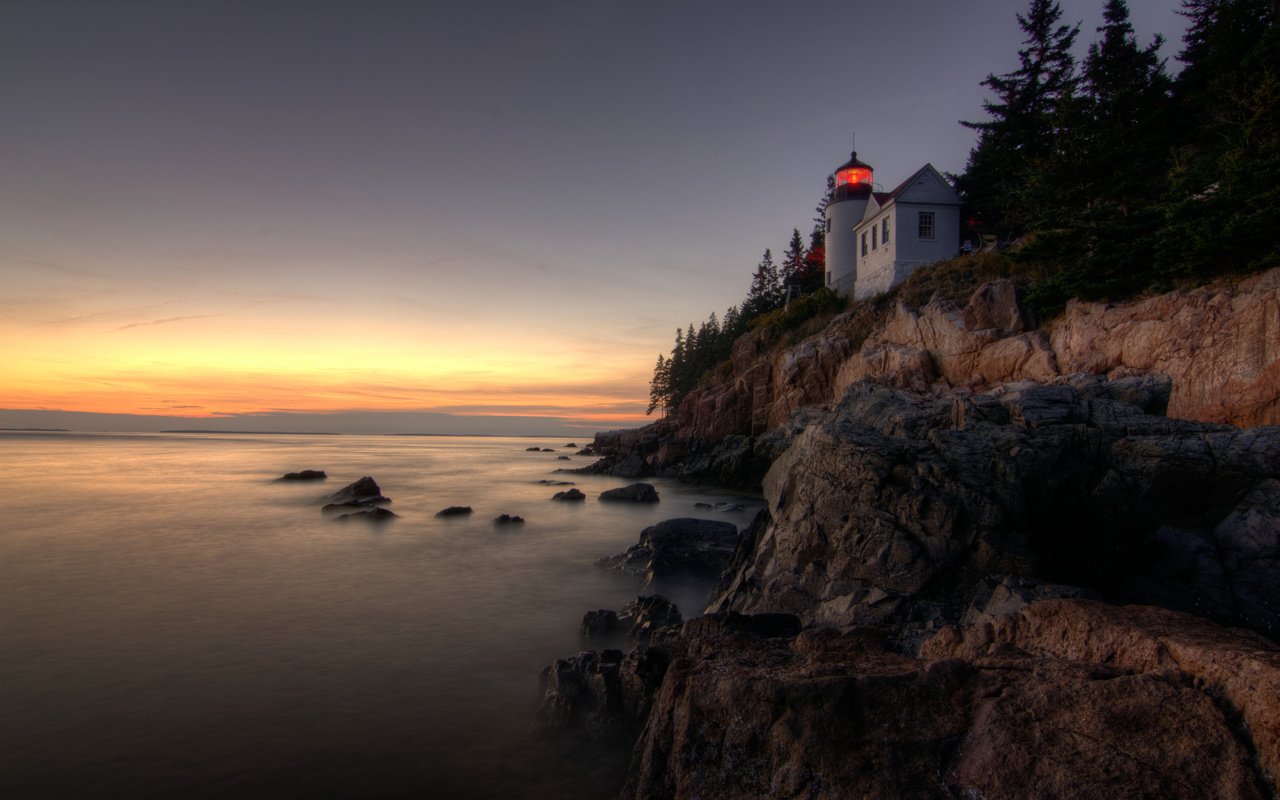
(766, 289)
(1021, 129)
(1223, 207)
(659, 387)
(793, 260)
(1099, 192)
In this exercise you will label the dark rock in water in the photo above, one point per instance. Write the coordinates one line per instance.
(723, 506)
(454, 511)
(571, 444)
(572, 494)
(304, 475)
(601, 622)
(364, 491)
(369, 512)
(545, 482)
(508, 519)
(563, 458)
(635, 493)
(587, 451)
(533, 449)
(646, 614)
(678, 550)
(547, 450)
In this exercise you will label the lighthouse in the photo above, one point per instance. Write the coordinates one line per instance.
(844, 211)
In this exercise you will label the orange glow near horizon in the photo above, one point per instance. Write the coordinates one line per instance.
(209, 367)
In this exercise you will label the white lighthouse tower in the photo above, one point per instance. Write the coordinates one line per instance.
(844, 211)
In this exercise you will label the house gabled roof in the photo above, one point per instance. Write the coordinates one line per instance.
(925, 178)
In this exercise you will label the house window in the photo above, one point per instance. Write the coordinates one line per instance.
(828, 226)
(884, 230)
(864, 243)
(926, 224)
(873, 237)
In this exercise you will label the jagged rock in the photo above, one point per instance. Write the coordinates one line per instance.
(647, 614)
(1242, 669)
(304, 475)
(601, 622)
(720, 506)
(364, 491)
(371, 513)
(1232, 376)
(569, 495)
(1067, 699)
(508, 519)
(677, 550)
(893, 492)
(454, 511)
(635, 493)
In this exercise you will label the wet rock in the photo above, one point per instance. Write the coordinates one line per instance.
(635, 493)
(454, 511)
(364, 491)
(721, 506)
(600, 622)
(546, 482)
(563, 458)
(371, 513)
(647, 614)
(533, 449)
(508, 519)
(679, 550)
(304, 475)
(571, 444)
(569, 495)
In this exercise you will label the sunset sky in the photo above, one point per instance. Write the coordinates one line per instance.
(437, 217)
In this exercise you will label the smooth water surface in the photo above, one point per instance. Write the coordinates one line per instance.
(174, 623)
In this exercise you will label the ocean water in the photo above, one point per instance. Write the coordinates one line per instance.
(174, 623)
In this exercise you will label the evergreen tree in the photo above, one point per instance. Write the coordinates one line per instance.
(793, 260)
(1021, 128)
(820, 212)
(814, 274)
(766, 289)
(660, 387)
(1100, 190)
(1223, 207)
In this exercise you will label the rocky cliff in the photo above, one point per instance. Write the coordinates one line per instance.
(1218, 346)
(996, 562)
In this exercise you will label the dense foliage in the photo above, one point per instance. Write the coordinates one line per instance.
(1121, 177)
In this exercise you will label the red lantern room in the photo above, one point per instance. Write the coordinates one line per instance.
(853, 178)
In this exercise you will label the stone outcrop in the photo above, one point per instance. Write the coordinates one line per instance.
(679, 550)
(1072, 700)
(1218, 347)
(886, 510)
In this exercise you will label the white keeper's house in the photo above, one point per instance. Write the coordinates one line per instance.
(876, 239)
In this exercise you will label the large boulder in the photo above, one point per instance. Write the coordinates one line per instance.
(635, 493)
(682, 550)
(364, 491)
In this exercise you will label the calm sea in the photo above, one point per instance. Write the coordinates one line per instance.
(175, 624)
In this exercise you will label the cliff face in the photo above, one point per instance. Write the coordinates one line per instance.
(1219, 345)
(990, 565)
